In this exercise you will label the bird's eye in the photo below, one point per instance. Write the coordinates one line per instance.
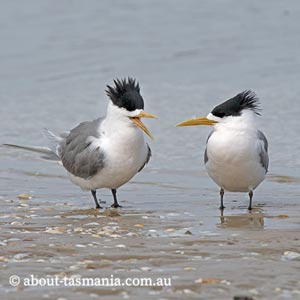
(219, 114)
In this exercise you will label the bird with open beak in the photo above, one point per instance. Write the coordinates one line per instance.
(236, 154)
(106, 152)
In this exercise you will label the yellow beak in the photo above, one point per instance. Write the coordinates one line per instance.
(136, 120)
(196, 121)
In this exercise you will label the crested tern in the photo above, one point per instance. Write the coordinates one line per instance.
(106, 152)
(236, 154)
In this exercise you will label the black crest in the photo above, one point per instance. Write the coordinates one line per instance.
(126, 94)
(235, 105)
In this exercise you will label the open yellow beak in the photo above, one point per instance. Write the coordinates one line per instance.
(196, 121)
(136, 120)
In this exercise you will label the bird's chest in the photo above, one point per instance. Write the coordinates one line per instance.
(230, 148)
(125, 151)
(233, 161)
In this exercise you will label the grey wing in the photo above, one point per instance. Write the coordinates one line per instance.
(263, 151)
(147, 159)
(205, 152)
(76, 153)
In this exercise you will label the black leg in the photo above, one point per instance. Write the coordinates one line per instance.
(115, 204)
(222, 195)
(95, 198)
(250, 200)
(222, 218)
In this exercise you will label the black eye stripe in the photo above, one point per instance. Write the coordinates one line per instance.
(218, 114)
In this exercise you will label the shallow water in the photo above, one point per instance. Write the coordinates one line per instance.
(55, 61)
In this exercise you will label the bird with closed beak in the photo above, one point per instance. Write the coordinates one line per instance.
(236, 154)
(106, 152)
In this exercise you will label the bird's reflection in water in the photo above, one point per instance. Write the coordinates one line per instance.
(253, 219)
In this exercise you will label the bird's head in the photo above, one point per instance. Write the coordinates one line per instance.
(241, 105)
(126, 98)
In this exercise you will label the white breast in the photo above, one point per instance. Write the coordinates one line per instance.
(125, 152)
(233, 158)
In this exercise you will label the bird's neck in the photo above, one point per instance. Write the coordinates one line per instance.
(244, 123)
(117, 122)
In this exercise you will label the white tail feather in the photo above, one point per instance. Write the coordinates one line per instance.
(47, 153)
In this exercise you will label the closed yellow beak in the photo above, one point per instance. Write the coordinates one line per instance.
(196, 121)
(136, 120)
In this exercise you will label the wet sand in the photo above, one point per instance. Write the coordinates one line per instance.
(207, 255)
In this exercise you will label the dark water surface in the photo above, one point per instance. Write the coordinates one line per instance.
(56, 58)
